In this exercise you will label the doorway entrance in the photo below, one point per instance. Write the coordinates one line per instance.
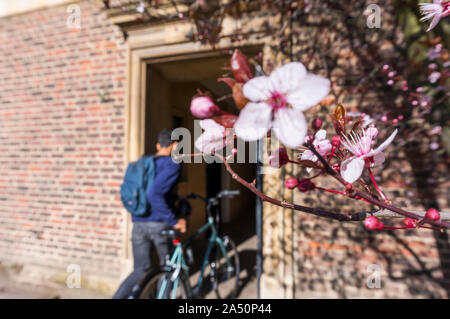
(170, 85)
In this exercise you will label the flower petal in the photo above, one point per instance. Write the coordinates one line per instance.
(254, 121)
(309, 156)
(210, 124)
(434, 22)
(312, 90)
(288, 77)
(378, 159)
(383, 145)
(320, 135)
(209, 142)
(352, 168)
(290, 127)
(258, 89)
(323, 147)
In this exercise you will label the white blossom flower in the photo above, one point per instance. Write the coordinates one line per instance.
(277, 102)
(434, 12)
(322, 146)
(361, 147)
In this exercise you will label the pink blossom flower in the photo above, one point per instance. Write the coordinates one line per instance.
(435, 52)
(322, 146)
(361, 147)
(434, 12)
(277, 102)
(436, 130)
(433, 77)
(214, 138)
(203, 107)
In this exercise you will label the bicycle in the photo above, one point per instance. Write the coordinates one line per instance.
(220, 267)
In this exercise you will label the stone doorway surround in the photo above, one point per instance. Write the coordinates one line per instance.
(164, 42)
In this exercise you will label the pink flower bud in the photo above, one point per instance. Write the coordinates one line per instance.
(373, 223)
(305, 185)
(336, 141)
(279, 158)
(203, 107)
(409, 222)
(317, 123)
(372, 132)
(291, 182)
(337, 167)
(234, 151)
(432, 214)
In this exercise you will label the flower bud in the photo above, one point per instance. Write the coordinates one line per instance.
(291, 182)
(336, 141)
(432, 214)
(305, 185)
(409, 222)
(203, 107)
(240, 67)
(373, 223)
(337, 167)
(317, 123)
(279, 158)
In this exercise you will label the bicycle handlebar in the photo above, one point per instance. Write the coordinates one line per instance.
(222, 194)
(228, 193)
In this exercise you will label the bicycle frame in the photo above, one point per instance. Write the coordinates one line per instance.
(178, 264)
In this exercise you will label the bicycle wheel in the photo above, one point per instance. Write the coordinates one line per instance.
(161, 285)
(222, 274)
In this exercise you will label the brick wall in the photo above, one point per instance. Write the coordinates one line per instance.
(62, 119)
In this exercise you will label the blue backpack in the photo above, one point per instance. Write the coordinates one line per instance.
(137, 181)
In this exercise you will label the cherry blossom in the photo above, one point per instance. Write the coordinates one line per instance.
(434, 12)
(322, 146)
(214, 138)
(203, 107)
(360, 147)
(278, 101)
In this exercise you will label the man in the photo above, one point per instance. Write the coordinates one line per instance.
(146, 230)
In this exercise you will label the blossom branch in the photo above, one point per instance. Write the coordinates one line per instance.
(314, 211)
(355, 192)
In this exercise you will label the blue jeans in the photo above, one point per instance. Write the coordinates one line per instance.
(143, 237)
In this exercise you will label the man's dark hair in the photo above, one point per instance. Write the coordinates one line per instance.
(165, 138)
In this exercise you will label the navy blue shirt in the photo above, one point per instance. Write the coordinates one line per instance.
(160, 195)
